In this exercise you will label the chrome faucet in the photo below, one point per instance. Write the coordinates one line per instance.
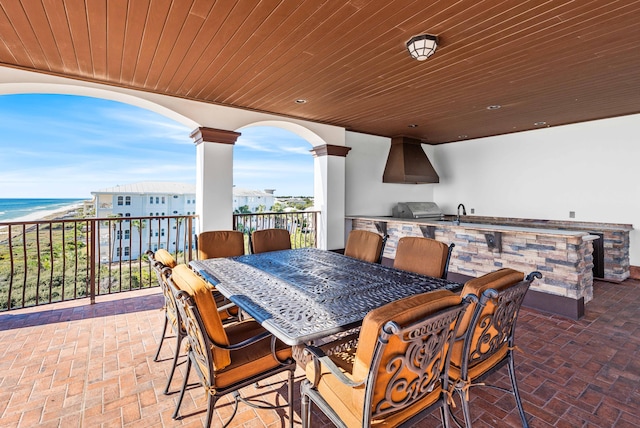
(464, 212)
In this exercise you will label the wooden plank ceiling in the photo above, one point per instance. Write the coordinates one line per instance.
(544, 62)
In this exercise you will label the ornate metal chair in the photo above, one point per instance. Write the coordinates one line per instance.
(365, 245)
(162, 262)
(423, 255)
(270, 240)
(396, 373)
(485, 339)
(226, 357)
(220, 243)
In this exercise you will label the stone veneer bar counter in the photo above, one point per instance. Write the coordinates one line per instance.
(561, 251)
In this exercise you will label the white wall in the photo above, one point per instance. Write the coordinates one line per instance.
(366, 194)
(590, 168)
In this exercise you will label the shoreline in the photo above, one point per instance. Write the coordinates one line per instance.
(46, 215)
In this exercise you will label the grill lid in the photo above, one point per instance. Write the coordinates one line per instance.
(417, 210)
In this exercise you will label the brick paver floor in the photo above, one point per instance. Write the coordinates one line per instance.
(79, 365)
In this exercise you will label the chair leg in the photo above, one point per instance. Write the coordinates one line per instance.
(465, 408)
(444, 414)
(516, 393)
(305, 414)
(290, 397)
(184, 388)
(164, 332)
(211, 405)
(175, 361)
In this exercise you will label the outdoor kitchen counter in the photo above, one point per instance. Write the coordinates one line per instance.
(562, 254)
(473, 225)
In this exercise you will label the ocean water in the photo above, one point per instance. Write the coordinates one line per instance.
(11, 209)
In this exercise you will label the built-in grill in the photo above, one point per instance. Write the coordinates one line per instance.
(428, 210)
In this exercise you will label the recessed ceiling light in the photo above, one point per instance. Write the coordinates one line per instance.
(301, 101)
(494, 107)
(413, 125)
(462, 136)
(541, 123)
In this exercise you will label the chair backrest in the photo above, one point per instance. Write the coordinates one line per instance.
(164, 257)
(488, 327)
(202, 321)
(270, 240)
(220, 243)
(162, 271)
(403, 345)
(365, 245)
(423, 255)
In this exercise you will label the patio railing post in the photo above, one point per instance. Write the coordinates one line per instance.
(190, 237)
(93, 231)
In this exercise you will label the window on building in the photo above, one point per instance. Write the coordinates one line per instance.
(127, 200)
(118, 234)
(127, 214)
(118, 252)
(175, 196)
(161, 232)
(150, 199)
(163, 201)
(127, 234)
(175, 212)
(157, 199)
(120, 200)
(126, 251)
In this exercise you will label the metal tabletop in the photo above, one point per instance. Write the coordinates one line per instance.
(306, 294)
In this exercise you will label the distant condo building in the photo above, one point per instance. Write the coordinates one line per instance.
(253, 199)
(144, 199)
(159, 200)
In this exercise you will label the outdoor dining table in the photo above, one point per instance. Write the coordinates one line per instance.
(303, 295)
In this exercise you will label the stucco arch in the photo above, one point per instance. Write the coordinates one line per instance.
(305, 133)
(56, 88)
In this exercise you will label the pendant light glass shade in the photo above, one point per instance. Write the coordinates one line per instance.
(422, 47)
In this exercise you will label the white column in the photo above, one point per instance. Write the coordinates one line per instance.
(214, 178)
(329, 190)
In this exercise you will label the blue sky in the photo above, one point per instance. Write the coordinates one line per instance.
(65, 146)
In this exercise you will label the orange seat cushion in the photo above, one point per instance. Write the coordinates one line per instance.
(164, 257)
(266, 240)
(363, 245)
(421, 255)
(250, 360)
(196, 287)
(220, 243)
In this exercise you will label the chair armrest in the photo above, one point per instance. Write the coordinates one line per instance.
(319, 357)
(244, 343)
(224, 308)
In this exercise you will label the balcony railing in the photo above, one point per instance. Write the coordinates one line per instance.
(51, 261)
(56, 260)
(302, 225)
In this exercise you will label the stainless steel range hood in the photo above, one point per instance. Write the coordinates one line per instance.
(408, 163)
